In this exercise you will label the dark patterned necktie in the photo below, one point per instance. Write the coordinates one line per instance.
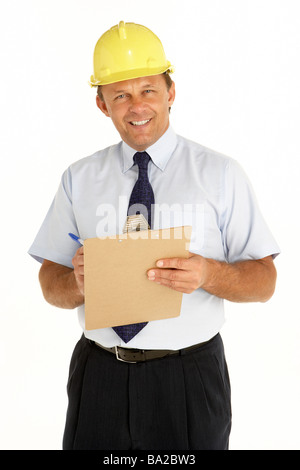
(140, 202)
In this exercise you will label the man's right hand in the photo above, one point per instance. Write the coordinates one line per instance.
(78, 263)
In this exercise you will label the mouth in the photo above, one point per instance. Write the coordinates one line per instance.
(140, 123)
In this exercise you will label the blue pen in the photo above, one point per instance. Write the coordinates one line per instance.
(77, 239)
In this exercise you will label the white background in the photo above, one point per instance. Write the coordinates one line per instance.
(237, 79)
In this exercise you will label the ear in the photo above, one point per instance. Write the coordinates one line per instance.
(102, 106)
(171, 94)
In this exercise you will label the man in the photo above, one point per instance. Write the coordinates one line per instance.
(175, 393)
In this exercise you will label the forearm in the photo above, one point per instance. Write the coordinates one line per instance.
(245, 281)
(59, 286)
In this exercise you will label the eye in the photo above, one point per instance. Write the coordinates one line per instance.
(119, 97)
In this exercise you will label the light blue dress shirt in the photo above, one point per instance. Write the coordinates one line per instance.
(192, 185)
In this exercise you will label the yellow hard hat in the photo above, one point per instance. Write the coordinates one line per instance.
(127, 51)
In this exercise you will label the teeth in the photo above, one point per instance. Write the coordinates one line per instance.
(139, 123)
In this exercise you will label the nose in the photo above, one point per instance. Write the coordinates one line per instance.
(137, 104)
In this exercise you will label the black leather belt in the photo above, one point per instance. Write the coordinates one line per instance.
(141, 355)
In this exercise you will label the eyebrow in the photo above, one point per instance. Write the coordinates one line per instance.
(148, 85)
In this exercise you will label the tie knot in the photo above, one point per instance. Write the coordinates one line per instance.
(142, 159)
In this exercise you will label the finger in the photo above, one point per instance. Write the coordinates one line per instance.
(80, 252)
(174, 263)
(169, 274)
(78, 258)
(79, 270)
(80, 282)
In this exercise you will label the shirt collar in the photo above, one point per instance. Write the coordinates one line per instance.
(160, 152)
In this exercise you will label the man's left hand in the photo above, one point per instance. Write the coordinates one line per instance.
(181, 274)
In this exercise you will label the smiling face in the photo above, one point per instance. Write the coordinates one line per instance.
(139, 109)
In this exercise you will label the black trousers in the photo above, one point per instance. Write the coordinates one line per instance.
(175, 403)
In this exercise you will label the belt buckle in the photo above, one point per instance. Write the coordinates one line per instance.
(120, 359)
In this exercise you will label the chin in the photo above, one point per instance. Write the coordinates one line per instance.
(141, 144)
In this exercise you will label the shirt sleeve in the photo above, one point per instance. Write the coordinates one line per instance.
(52, 242)
(245, 233)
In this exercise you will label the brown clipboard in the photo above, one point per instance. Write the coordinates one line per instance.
(117, 290)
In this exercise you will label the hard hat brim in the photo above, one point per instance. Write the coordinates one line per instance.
(130, 75)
